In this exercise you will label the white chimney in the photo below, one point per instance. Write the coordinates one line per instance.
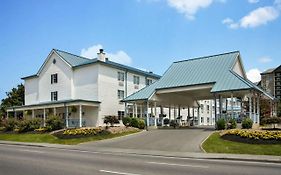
(101, 55)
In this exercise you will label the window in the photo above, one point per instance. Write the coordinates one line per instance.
(208, 120)
(202, 108)
(148, 82)
(136, 80)
(120, 94)
(54, 96)
(121, 115)
(121, 76)
(202, 120)
(208, 109)
(54, 78)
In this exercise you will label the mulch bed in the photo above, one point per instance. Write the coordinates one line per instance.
(236, 138)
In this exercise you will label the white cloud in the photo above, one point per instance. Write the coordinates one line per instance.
(91, 52)
(254, 75)
(253, 1)
(119, 57)
(257, 17)
(260, 16)
(265, 59)
(189, 7)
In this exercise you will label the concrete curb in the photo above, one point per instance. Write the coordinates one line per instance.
(200, 146)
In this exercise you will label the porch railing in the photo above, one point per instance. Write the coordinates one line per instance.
(74, 123)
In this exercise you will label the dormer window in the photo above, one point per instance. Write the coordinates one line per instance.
(148, 82)
(54, 78)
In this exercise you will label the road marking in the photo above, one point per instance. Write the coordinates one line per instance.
(115, 172)
(183, 165)
(32, 151)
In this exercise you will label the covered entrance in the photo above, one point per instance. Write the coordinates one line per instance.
(75, 113)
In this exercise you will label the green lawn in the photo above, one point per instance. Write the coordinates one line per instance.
(47, 138)
(215, 144)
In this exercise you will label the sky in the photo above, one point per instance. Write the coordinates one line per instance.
(146, 34)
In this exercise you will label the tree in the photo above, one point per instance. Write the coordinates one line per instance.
(279, 109)
(14, 98)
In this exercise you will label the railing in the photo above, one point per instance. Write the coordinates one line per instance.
(75, 123)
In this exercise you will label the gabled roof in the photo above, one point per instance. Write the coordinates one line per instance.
(75, 61)
(268, 71)
(214, 69)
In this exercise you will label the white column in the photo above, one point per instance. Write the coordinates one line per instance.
(66, 117)
(254, 104)
(258, 109)
(155, 115)
(80, 116)
(7, 114)
(55, 111)
(133, 110)
(250, 107)
(169, 113)
(232, 112)
(175, 113)
(147, 117)
(141, 112)
(33, 113)
(136, 110)
(44, 117)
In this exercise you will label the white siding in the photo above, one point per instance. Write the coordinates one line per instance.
(85, 83)
(63, 86)
(238, 69)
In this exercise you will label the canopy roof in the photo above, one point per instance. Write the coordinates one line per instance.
(216, 70)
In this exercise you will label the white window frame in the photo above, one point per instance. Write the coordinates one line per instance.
(121, 76)
(121, 94)
(136, 80)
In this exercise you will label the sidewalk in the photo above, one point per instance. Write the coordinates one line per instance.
(213, 156)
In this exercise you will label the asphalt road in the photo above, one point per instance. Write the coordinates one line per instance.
(174, 140)
(28, 160)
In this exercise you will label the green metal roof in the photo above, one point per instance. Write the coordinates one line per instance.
(215, 69)
(77, 61)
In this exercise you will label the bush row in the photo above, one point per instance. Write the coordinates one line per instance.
(255, 134)
(222, 124)
(26, 125)
(134, 122)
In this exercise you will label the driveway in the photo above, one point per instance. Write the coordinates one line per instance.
(174, 140)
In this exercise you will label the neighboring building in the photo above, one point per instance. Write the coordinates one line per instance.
(271, 81)
(80, 90)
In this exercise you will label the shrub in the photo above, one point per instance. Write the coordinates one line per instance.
(220, 124)
(111, 119)
(174, 123)
(29, 125)
(127, 121)
(135, 122)
(247, 123)
(10, 124)
(233, 124)
(166, 121)
(82, 131)
(54, 123)
(141, 124)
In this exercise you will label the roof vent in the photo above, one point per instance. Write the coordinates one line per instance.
(101, 56)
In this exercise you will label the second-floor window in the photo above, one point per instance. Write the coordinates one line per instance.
(54, 78)
(121, 76)
(54, 96)
(120, 94)
(148, 82)
(136, 80)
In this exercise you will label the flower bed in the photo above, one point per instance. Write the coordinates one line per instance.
(252, 136)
